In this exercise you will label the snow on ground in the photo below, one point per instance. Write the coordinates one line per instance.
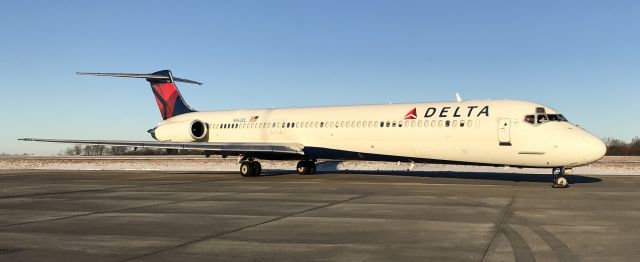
(607, 166)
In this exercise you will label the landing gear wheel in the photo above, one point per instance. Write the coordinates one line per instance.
(313, 167)
(560, 181)
(257, 168)
(306, 167)
(250, 168)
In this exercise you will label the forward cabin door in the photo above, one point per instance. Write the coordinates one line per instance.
(504, 132)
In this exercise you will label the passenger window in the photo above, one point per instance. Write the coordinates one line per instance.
(413, 123)
(400, 123)
(394, 124)
(529, 119)
(440, 123)
(419, 123)
(388, 124)
(455, 123)
(447, 123)
(470, 123)
(433, 123)
(461, 123)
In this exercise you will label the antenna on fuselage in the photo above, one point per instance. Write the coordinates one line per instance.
(458, 99)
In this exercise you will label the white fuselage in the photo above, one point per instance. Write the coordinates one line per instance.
(488, 132)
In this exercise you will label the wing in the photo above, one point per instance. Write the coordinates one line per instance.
(237, 147)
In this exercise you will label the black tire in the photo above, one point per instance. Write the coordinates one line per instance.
(303, 168)
(247, 169)
(560, 182)
(257, 168)
(312, 167)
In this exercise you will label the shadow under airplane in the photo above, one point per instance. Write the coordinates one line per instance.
(331, 167)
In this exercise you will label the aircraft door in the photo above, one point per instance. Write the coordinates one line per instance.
(504, 132)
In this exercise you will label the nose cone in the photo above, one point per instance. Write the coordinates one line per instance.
(593, 149)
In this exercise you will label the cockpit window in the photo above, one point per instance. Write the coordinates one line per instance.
(529, 119)
(542, 119)
(539, 119)
(557, 117)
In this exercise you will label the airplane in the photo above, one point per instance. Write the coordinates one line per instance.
(509, 133)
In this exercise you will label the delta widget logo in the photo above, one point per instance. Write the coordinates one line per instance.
(411, 115)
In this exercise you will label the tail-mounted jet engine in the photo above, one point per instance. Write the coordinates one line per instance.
(184, 131)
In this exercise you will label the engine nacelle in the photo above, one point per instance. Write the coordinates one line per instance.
(185, 131)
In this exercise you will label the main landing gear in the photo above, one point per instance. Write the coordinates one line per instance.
(306, 167)
(250, 168)
(559, 180)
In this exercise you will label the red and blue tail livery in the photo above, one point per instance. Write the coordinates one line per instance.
(170, 101)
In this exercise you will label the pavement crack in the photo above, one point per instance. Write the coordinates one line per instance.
(253, 225)
(505, 215)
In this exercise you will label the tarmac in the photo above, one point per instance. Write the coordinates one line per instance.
(337, 216)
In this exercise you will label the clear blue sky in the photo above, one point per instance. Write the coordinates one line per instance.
(580, 57)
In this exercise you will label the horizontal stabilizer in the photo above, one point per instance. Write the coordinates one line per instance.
(145, 76)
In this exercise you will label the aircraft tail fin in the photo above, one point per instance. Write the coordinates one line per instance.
(168, 97)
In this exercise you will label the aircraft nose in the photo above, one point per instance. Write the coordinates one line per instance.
(593, 148)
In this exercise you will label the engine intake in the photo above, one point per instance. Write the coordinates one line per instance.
(198, 129)
(184, 131)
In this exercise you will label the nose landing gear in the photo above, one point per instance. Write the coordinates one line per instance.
(559, 180)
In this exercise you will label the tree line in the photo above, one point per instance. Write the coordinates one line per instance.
(618, 147)
(101, 150)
